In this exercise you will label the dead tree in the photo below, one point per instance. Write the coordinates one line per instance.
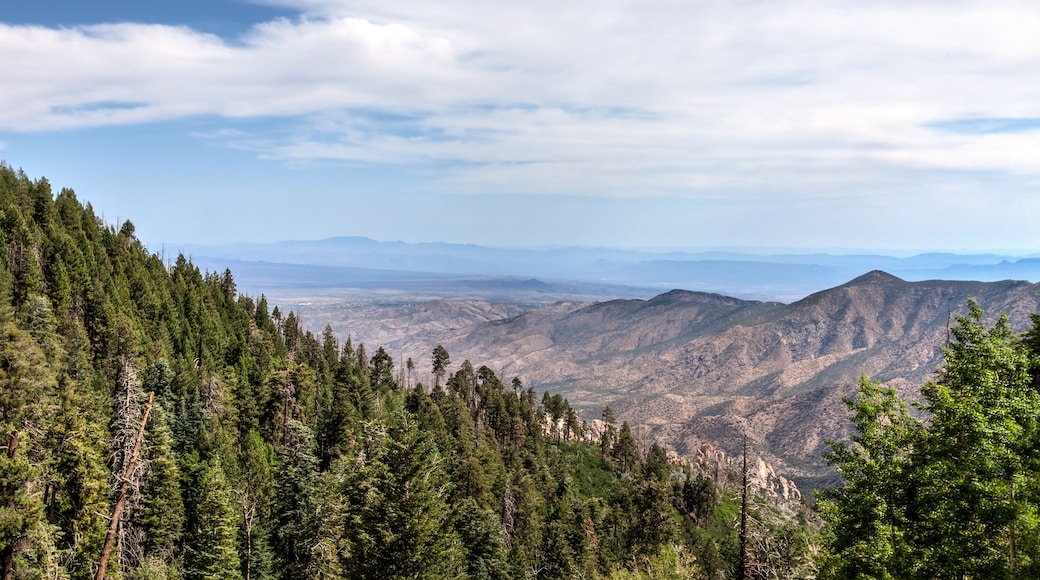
(124, 488)
(742, 565)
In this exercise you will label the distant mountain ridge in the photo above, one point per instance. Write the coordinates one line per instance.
(783, 276)
(700, 368)
(291, 279)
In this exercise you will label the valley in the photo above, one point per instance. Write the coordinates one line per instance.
(692, 368)
(281, 425)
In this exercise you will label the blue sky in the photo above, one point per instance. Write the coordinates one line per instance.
(911, 125)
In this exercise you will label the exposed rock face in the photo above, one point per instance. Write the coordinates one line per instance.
(690, 368)
(776, 487)
(713, 462)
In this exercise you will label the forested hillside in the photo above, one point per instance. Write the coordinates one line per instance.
(156, 423)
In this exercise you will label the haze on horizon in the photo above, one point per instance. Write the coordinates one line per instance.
(802, 124)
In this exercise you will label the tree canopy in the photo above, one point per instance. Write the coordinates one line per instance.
(272, 452)
(950, 491)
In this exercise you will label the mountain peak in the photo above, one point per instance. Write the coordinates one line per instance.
(875, 277)
(690, 297)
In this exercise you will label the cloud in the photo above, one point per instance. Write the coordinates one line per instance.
(620, 98)
(60, 76)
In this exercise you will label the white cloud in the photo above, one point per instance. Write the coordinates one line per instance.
(618, 98)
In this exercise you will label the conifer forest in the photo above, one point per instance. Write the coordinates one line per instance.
(155, 422)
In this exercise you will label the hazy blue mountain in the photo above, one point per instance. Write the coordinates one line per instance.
(293, 282)
(783, 276)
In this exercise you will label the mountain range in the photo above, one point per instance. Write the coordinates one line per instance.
(362, 262)
(690, 368)
(766, 344)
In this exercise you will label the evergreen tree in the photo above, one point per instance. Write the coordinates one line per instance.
(160, 516)
(382, 370)
(625, 452)
(363, 364)
(211, 550)
(398, 522)
(868, 514)
(609, 436)
(441, 360)
(255, 498)
(481, 536)
(25, 377)
(983, 415)
(296, 490)
(950, 497)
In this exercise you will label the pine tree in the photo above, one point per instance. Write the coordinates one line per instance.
(441, 360)
(398, 522)
(481, 535)
(211, 548)
(382, 370)
(255, 497)
(625, 452)
(160, 516)
(981, 407)
(25, 378)
(295, 491)
(950, 497)
(868, 514)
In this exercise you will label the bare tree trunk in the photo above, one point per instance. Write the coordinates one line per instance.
(124, 486)
(742, 566)
(248, 515)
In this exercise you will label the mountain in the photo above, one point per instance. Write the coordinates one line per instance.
(697, 368)
(747, 274)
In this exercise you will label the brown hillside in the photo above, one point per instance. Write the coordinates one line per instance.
(693, 367)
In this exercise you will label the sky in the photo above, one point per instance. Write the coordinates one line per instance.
(777, 124)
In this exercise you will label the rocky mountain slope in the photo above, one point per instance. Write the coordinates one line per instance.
(694, 368)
